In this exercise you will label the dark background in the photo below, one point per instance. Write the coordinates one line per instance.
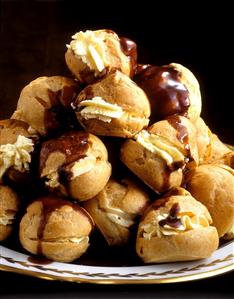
(33, 35)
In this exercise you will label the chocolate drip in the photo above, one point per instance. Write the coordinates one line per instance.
(129, 48)
(182, 134)
(164, 89)
(156, 205)
(172, 219)
(49, 205)
(60, 113)
(73, 145)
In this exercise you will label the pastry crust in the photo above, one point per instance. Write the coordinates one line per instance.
(115, 209)
(152, 165)
(213, 185)
(45, 103)
(125, 108)
(109, 53)
(210, 148)
(55, 228)
(9, 205)
(79, 168)
(158, 242)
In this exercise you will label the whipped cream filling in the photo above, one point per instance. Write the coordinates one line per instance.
(119, 217)
(91, 49)
(187, 221)
(52, 180)
(98, 108)
(82, 166)
(71, 239)
(7, 219)
(160, 146)
(16, 155)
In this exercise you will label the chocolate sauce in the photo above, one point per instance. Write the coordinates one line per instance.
(157, 204)
(164, 89)
(129, 48)
(39, 260)
(49, 205)
(172, 219)
(73, 145)
(60, 107)
(182, 133)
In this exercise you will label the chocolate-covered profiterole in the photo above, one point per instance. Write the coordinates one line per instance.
(16, 148)
(45, 104)
(75, 164)
(172, 89)
(93, 54)
(176, 228)
(55, 228)
(160, 154)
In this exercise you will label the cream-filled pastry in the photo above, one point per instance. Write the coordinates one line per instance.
(9, 205)
(213, 185)
(159, 155)
(55, 228)
(45, 104)
(75, 164)
(210, 147)
(114, 106)
(93, 54)
(171, 89)
(115, 208)
(176, 228)
(16, 148)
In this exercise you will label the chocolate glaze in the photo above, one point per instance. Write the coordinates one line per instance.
(182, 134)
(88, 76)
(164, 89)
(157, 204)
(60, 108)
(172, 219)
(39, 260)
(129, 48)
(49, 205)
(73, 145)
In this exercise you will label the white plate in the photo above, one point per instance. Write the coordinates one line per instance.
(221, 261)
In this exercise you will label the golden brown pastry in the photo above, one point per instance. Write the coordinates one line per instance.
(56, 229)
(227, 159)
(93, 54)
(114, 106)
(213, 185)
(176, 228)
(159, 154)
(210, 148)
(171, 89)
(45, 104)
(16, 148)
(115, 208)
(75, 164)
(9, 205)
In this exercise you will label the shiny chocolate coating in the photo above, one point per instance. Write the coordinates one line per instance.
(73, 145)
(129, 48)
(166, 93)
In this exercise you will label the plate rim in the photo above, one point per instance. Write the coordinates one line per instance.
(119, 281)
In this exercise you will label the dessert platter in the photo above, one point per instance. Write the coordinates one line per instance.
(111, 175)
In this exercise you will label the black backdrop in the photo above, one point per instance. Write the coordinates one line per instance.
(33, 36)
(32, 43)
